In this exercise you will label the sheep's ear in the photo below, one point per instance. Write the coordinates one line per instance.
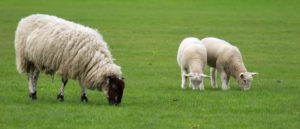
(187, 75)
(254, 74)
(206, 76)
(242, 76)
(110, 81)
(109, 78)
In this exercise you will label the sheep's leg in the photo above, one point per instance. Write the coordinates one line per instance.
(83, 94)
(224, 79)
(183, 79)
(227, 81)
(202, 85)
(213, 72)
(33, 77)
(190, 84)
(60, 96)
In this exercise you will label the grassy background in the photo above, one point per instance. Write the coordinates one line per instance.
(143, 36)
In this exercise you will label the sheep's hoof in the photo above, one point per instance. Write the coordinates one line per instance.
(33, 95)
(214, 86)
(225, 88)
(84, 98)
(60, 97)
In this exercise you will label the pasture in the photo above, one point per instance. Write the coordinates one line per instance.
(144, 36)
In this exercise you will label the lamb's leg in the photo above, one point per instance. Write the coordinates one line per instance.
(202, 85)
(33, 77)
(224, 79)
(83, 94)
(190, 83)
(213, 72)
(183, 79)
(227, 81)
(60, 96)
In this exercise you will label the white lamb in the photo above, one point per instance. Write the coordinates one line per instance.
(227, 59)
(56, 46)
(191, 58)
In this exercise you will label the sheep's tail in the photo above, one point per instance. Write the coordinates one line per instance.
(22, 64)
(20, 45)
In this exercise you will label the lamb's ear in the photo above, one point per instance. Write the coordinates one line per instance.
(187, 75)
(206, 76)
(242, 76)
(254, 74)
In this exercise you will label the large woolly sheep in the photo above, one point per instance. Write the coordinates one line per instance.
(191, 58)
(55, 46)
(227, 59)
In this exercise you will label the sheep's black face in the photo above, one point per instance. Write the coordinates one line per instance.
(115, 90)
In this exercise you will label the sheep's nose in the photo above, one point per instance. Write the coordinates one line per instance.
(114, 103)
(246, 88)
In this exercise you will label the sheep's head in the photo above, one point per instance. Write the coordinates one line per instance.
(114, 90)
(196, 78)
(245, 80)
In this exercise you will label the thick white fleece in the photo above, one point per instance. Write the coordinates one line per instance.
(54, 45)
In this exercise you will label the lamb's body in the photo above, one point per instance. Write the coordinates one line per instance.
(191, 58)
(227, 59)
(56, 46)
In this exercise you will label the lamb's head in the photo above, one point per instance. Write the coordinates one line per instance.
(245, 79)
(196, 78)
(114, 90)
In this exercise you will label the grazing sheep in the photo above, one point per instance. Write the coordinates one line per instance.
(227, 59)
(191, 58)
(56, 46)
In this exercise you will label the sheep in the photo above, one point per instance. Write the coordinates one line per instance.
(191, 58)
(45, 43)
(227, 59)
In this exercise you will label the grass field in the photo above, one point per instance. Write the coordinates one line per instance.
(143, 36)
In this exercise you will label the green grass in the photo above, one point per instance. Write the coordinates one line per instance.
(143, 36)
